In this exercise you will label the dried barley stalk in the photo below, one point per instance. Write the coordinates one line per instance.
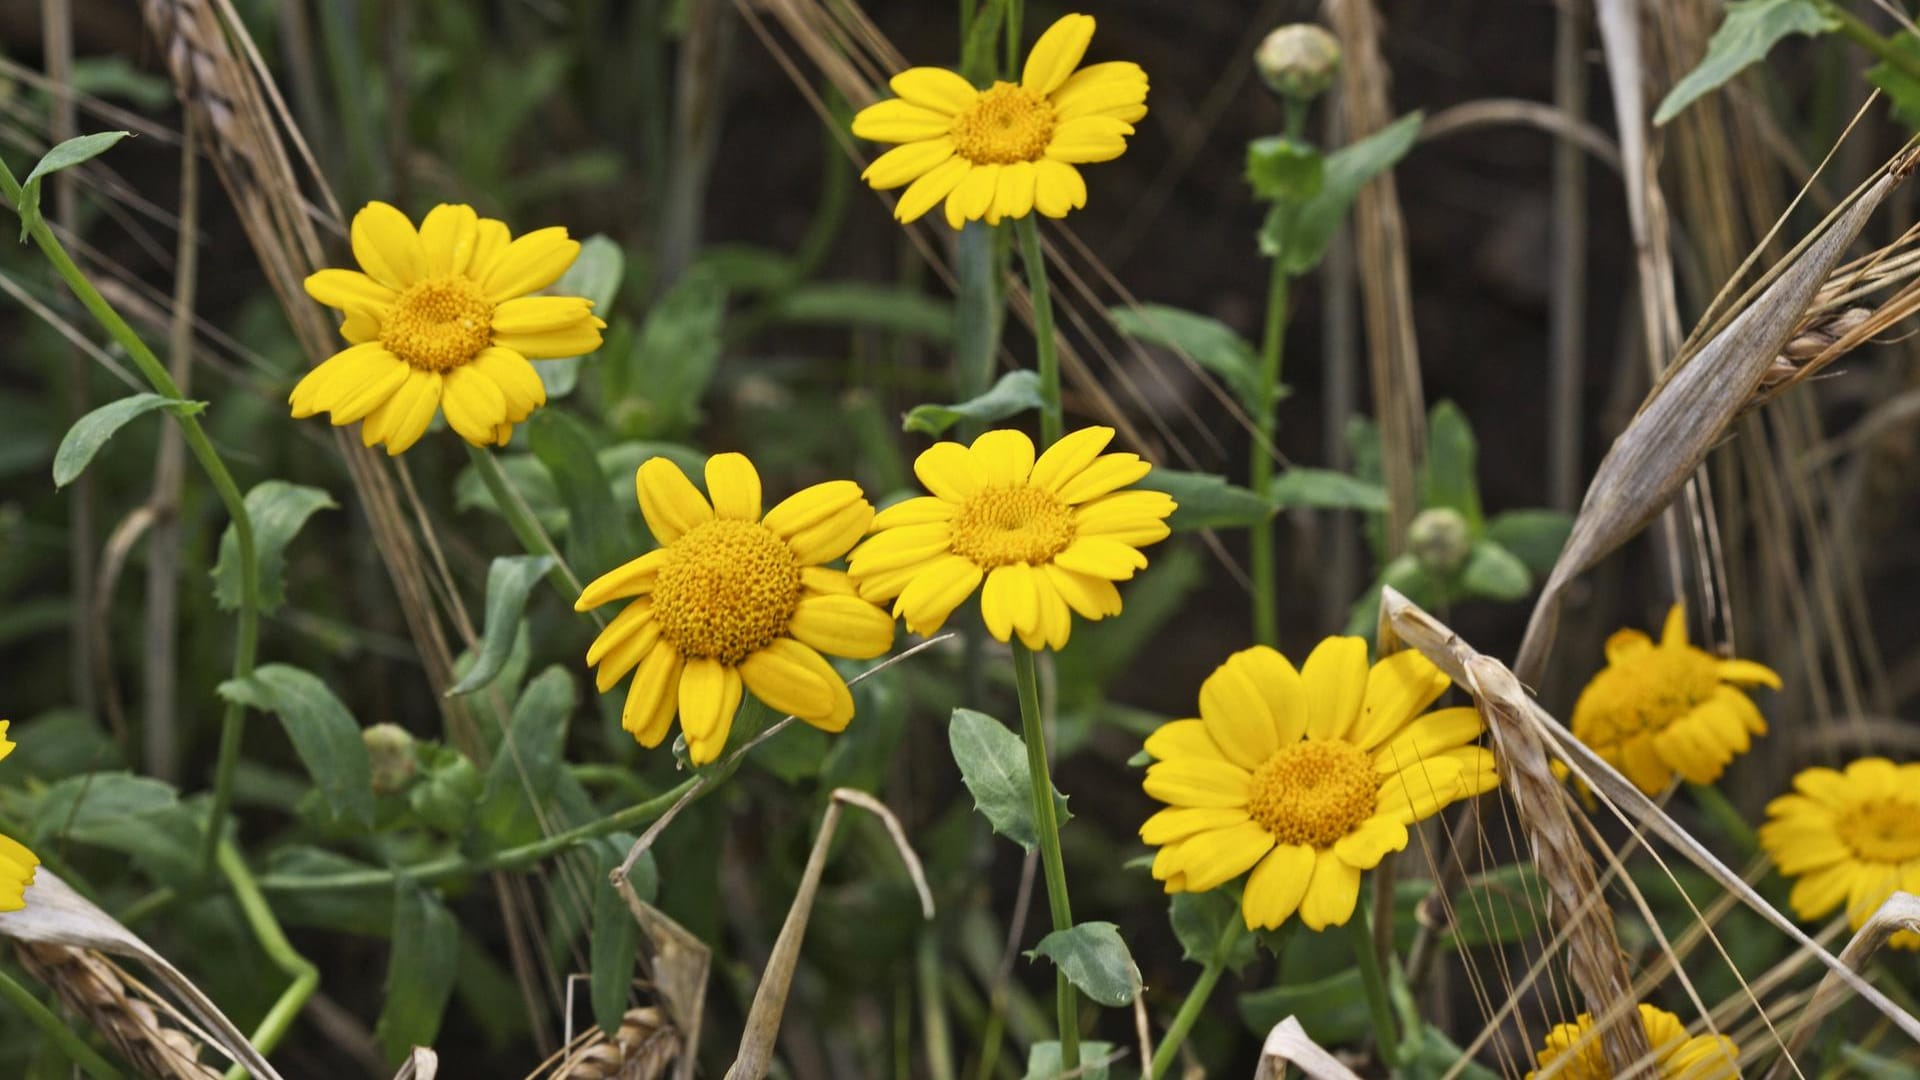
(90, 985)
(643, 1049)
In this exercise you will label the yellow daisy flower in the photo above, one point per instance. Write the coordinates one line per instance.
(732, 601)
(1010, 149)
(442, 318)
(1658, 710)
(16, 862)
(1676, 1056)
(1048, 537)
(1850, 838)
(1306, 777)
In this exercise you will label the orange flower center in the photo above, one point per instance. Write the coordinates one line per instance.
(726, 590)
(1003, 526)
(1314, 792)
(1005, 124)
(1885, 830)
(1644, 693)
(438, 323)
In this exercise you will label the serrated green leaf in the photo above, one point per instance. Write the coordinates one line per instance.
(1450, 479)
(597, 539)
(1202, 920)
(278, 510)
(1043, 1058)
(613, 942)
(1534, 536)
(1326, 489)
(509, 580)
(322, 731)
(1280, 168)
(64, 155)
(1208, 342)
(993, 763)
(1495, 573)
(1014, 393)
(1751, 29)
(1296, 235)
(89, 433)
(1207, 501)
(529, 760)
(420, 970)
(1094, 957)
(595, 275)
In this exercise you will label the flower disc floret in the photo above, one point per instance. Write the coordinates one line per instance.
(1001, 526)
(1314, 792)
(1005, 124)
(727, 589)
(438, 324)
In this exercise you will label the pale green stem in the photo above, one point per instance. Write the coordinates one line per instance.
(526, 527)
(1714, 804)
(1046, 355)
(1386, 1036)
(1046, 824)
(273, 941)
(70, 1044)
(1196, 1000)
(1266, 629)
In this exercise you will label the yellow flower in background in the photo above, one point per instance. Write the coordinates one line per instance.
(17, 864)
(1676, 1056)
(1306, 777)
(1850, 838)
(1048, 537)
(732, 601)
(1012, 148)
(440, 318)
(1659, 710)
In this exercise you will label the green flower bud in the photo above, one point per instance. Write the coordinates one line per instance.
(1298, 60)
(390, 752)
(1439, 538)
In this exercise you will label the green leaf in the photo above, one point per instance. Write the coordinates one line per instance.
(615, 937)
(1016, 392)
(1535, 537)
(1451, 454)
(528, 761)
(1043, 1058)
(323, 734)
(1333, 1010)
(1501, 906)
(1094, 958)
(993, 763)
(420, 970)
(1495, 573)
(1207, 501)
(1280, 168)
(597, 539)
(89, 433)
(595, 275)
(113, 76)
(136, 816)
(1751, 29)
(656, 388)
(1201, 920)
(1326, 489)
(857, 303)
(1427, 1054)
(509, 580)
(1296, 235)
(1409, 578)
(1209, 342)
(278, 510)
(62, 156)
(1902, 90)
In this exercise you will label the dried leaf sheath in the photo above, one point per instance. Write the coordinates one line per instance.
(92, 987)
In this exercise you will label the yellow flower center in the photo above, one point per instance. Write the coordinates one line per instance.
(438, 324)
(1644, 694)
(1005, 124)
(1885, 830)
(1314, 792)
(1003, 526)
(727, 589)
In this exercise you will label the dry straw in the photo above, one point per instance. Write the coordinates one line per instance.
(88, 984)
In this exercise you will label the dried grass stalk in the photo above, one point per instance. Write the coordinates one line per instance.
(646, 1045)
(89, 985)
(422, 1064)
(1900, 912)
(1289, 1044)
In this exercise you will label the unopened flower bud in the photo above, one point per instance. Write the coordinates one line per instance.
(1439, 538)
(1298, 60)
(390, 753)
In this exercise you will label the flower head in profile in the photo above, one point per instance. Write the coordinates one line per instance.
(1848, 837)
(1012, 148)
(1048, 537)
(1676, 1056)
(442, 318)
(17, 864)
(733, 600)
(1659, 710)
(1306, 777)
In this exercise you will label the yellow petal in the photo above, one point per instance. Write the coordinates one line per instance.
(1818, 893)
(897, 121)
(1398, 689)
(1747, 673)
(1008, 603)
(519, 384)
(1363, 848)
(1110, 472)
(810, 506)
(925, 193)
(1237, 716)
(818, 580)
(1276, 886)
(578, 339)
(1198, 782)
(1134, 517)
(906, 163)
(530, 263)
(386, 247)
(919, 510)
(349, 290)
(947, 469)
(734, 486)
(1003, 457)
(669, 502)
(934, 88)
(626, 639)
(490, 241)
(1056, 620)
(353, 381)
(447, 236)
(1674, 633)
(629, 579)
(474, 404)
(1176, 823)
(404, 417)
(1181, 739)
(1117, 89)
(1090, 597)
(1331, 894)
(1065, 459)
(830, 539)
(1211, 859)
(1089, 139)
(1057, 188)
(935, 591)
(1101, 557)
(842, 626)
(1282, 688)
(707, 697)
(781, 676)
(973, 195)
(1427, 738)
(1013, 197)
(1336, 680)
(1057, 53)
(538, 314)
(652, 697)
(1623, 645)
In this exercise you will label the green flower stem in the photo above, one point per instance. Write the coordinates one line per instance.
(70, 1044)
(1882, 49)
(1047, 824)
(273, 941)
(525, 526)
(1385, 1035)
(1713, 803)
(1196, 1000)
(1266, 629)
(514, 858)
(1046, 355)
(247, 638)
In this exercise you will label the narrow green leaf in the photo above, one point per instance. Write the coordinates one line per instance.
(528, 761)
(1200, 920)
(857, 303)
(509, 580)
(1209, 342)
(1427, 1054)
(89, 433)
(993, 763)
(657, 386)
(1452, 457)
(1016, 392)
(597, 539)
(1282, 168)
(65, 155)
(1296, 234)
(278, 510)
(1094, 958)
(595, 275)
(1333, 1009)
(1751, 29)
(420, 970)
(323, 734)
(614, 941)
(1534, 536)
(1326, 489)
(1501, 906)
(1207, 501)
(1495, 573)
(1902, 90)
(1043, 1058)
